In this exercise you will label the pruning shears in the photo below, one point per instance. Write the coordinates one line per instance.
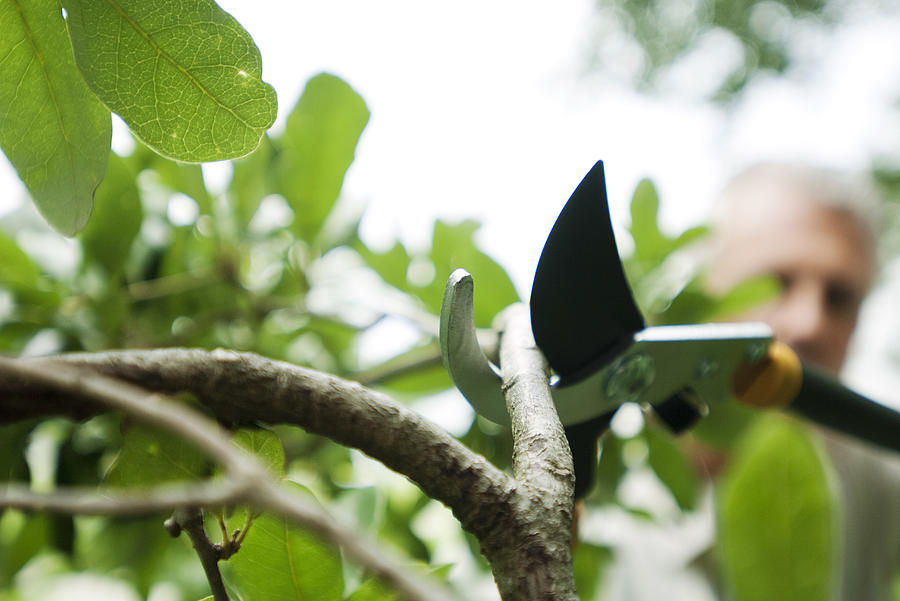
(589, 328)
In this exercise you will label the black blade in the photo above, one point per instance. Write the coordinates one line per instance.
(582, 310)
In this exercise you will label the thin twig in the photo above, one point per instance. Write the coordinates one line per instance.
(170, 285)
(108, 501)
(190, 519)
(424, 358)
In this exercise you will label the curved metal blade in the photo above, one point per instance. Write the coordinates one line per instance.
(582, 310)
(469, 368)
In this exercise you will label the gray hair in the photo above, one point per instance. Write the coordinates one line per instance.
(842, 191)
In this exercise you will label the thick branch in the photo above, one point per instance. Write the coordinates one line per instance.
(253, 483)
(535, 563)
(247, 388)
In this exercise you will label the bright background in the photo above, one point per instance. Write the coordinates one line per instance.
(485, 110)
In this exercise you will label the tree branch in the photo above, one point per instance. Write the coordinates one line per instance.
(89, 501)
(247, 388)
(253, 485)
(536, 563)
(190, 520)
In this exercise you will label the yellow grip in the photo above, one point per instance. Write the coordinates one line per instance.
(771, 383)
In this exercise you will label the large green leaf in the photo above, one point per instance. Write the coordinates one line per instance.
(185, 76)
(776, 516)
(279, 560)
(117, 218)
(318, 147)
(265, 445)
(150, 456)
(453, 246)
(52, 128)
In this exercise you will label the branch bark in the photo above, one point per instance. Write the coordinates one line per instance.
(243, 388)
(252, 483)
(190, 521)
(533, 560)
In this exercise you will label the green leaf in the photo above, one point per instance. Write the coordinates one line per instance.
(453, 246)
(184, 76)
(372, 590)
(610, 469)
(589, 563)
(13, 442)
(776, 516)
(151, 456)
(650, 245)
(318, 147)
(725, 424)
(392, 265)
(52, 128)
(117, 218)
(186, 178)
(692, 304)
(745, 296)
(279, 560)
(17, 271)
(672, 468)
(140, 548)
(22, 536)
(252, 180)
(265, 444)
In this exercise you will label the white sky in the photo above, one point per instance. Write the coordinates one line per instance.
(479, 110)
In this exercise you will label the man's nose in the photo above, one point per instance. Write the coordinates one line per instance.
(804, 318)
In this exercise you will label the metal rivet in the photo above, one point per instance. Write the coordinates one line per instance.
(630, 377)
(707, 368)
(757, 351)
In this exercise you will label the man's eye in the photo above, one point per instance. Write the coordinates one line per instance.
(842, 298)
(785, 280)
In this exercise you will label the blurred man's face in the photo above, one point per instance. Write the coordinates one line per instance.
(822, 257)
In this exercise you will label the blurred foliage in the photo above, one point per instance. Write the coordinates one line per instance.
(712, 47)
(776, 516)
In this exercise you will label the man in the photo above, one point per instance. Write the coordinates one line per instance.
(810, 229)
(813, 230)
